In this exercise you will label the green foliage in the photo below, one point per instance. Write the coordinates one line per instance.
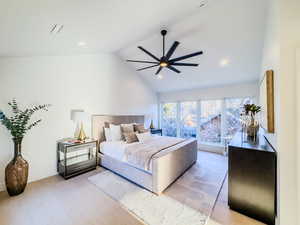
(252, 108)
(19, 123)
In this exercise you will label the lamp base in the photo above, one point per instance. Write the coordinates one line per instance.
(81, 135)
(151, 125)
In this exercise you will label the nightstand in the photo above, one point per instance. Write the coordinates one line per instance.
(76, 158)
(156, 131)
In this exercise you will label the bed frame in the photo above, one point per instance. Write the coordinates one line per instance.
(167, 165)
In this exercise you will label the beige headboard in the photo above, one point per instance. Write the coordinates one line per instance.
(99, 120)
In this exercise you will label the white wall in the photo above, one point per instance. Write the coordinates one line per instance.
(288, 132)
(99, 84)
(271, 57)
(298, 124)
(228, 91)
(281, 41)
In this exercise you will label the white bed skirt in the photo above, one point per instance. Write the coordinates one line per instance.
(167, 166)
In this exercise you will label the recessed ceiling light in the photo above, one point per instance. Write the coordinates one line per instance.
(224, 62)
(81, 43)
(159, 77)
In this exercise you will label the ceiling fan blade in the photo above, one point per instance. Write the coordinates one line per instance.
(159, 69)
(149, 53)
(139, 61)
(147, 67)
(185, 57)
(184, 64)
(171, 50)
(174, 69)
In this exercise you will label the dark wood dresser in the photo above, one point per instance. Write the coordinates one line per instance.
(252, 178)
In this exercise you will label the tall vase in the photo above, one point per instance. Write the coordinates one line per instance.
(253, 126)
(16, 172)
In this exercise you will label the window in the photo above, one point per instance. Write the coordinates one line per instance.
(233, 109)
(210, 121)
(188, 119)
(169, 119)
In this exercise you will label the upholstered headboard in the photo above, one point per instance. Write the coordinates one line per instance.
(99, 120)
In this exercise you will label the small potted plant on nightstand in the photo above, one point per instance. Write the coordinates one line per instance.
(16, 172)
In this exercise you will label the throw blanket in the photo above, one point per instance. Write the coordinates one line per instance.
(140, 155)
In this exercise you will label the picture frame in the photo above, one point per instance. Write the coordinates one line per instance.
(267, 101)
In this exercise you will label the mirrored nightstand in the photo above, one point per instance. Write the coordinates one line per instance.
(76, 158)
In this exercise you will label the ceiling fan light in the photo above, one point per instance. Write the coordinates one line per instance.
(163, 64)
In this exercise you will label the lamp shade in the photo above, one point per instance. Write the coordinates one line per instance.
(80, 116)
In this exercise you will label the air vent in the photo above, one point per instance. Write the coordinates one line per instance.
(56, 28)
(202, 4)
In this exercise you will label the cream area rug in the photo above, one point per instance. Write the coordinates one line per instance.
(189, 201)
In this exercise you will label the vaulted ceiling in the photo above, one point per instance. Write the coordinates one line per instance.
(104, 25)
(230, 33)
(230, 30)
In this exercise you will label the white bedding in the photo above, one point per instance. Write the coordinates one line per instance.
(138, 154)
(115, 149)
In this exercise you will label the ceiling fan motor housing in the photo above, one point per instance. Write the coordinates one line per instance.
(163, 32)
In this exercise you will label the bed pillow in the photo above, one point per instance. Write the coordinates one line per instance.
(115, 132)
(127, 128)
(140, 128)
(142, 137)
(130, 137)
(106, 124)
(107, 134)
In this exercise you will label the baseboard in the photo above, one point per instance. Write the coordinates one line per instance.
(211, 148)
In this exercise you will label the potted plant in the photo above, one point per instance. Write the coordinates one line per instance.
(16, 172)
(252, 126)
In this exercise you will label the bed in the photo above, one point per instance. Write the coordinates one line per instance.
(165, 166)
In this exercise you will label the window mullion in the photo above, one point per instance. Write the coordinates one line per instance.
(178, 119)
(223, 120)
(198, 120)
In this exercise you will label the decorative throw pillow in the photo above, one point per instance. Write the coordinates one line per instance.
(115, 132)
(127, 128)
(130, 137)
(106, 124)
(140, 128)
(107, 134)
(142, 137)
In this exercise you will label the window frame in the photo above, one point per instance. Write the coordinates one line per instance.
(179, 118)
(198, 112)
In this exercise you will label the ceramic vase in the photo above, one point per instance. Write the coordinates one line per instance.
(16, 172)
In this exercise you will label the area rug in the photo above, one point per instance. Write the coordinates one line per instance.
(189, 201)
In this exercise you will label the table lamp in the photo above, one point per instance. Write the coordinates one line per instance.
(79, 117)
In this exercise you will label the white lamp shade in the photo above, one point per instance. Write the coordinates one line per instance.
(80, 116)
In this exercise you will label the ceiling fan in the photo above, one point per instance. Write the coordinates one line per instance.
(165, 61)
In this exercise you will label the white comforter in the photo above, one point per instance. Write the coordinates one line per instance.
(138, 154)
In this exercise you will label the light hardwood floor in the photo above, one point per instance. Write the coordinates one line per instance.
(55, 201)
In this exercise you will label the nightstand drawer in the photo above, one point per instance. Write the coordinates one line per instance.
(82, 146)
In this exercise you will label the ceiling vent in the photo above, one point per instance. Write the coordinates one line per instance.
(202, 3)
(56, 28)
